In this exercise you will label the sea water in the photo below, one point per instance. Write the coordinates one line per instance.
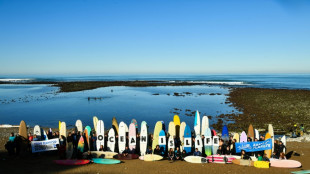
(45, 105)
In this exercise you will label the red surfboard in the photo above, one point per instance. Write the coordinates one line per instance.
(71, 162)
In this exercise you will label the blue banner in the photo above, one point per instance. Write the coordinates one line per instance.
(254, 146)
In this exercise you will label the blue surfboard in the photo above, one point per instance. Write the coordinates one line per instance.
(162, 142)
(225, 134)
(187, 146)
(105, 161)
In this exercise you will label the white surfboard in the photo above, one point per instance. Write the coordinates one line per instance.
(171, 143)
(111, 140)
(197, 123)
(37, 131)
(204, 124)
(100, 134)
(256, 134)
(198, 143)
(63, 129)
(182, 128)
(195, 159)
(283, 139)
(216, 144)
(79, 126)
(121, 137)
(143, 138)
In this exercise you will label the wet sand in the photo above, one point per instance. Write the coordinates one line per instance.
(43, 163)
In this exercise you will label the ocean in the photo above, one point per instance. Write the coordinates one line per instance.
(45, 106)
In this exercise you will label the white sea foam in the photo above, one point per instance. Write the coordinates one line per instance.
(218, 83)
(13, 80)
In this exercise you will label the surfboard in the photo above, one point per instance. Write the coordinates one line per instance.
(81, 144)
(86, 137)
(213, 132)
(59, 124)
(71, 162)
(283, 139)
(105, 161)
(216, 143)
(197, 123)
(162, 142)
(152, 157)
(128, 157)
(243, 162)
(44, 137)
(111, 140)
(121, 137)
(195, 159)
(37, 131)
(23, 129)
(79, 126)
(221, 159)
(301, 172)
(236, 137)
(270, 131)
(251, 132)
(225, 133)
(101, 154)
(171, 143)
(63, 129)
(256, 134)
(132, 136)
(134, 121)
(198, 143)
(268, 152)
(182, 128)
(115, 125)
(88, 130)
(143, 138)
(261, 164)
(171, 130)
(187, 146)
(204, 124)
(285, 163)
(95, 121)
(157, 129)
(208, 142)
(163, 126)
(243, 137)
(177, 123)
(100, 134)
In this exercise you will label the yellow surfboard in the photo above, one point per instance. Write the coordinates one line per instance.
(59, 126)
(157, 129)
(236, 136)
(115, 125)
(95, 121)
(268, 152)
(171, 130)
(261, 164)
(177, 123)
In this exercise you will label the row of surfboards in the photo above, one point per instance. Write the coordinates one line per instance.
(175, 129)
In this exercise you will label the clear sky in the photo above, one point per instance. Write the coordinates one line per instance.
(154, 36)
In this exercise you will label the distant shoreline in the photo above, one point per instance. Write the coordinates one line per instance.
(89, 85)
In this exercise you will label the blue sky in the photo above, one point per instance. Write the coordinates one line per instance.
(154, 36)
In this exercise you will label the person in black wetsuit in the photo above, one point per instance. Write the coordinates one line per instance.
(149, 150)
(244, 155)
(157, 150)
(126, 151)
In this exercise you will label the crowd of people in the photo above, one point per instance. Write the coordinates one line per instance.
(71, 141)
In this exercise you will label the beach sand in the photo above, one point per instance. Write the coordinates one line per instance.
(43, 163)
